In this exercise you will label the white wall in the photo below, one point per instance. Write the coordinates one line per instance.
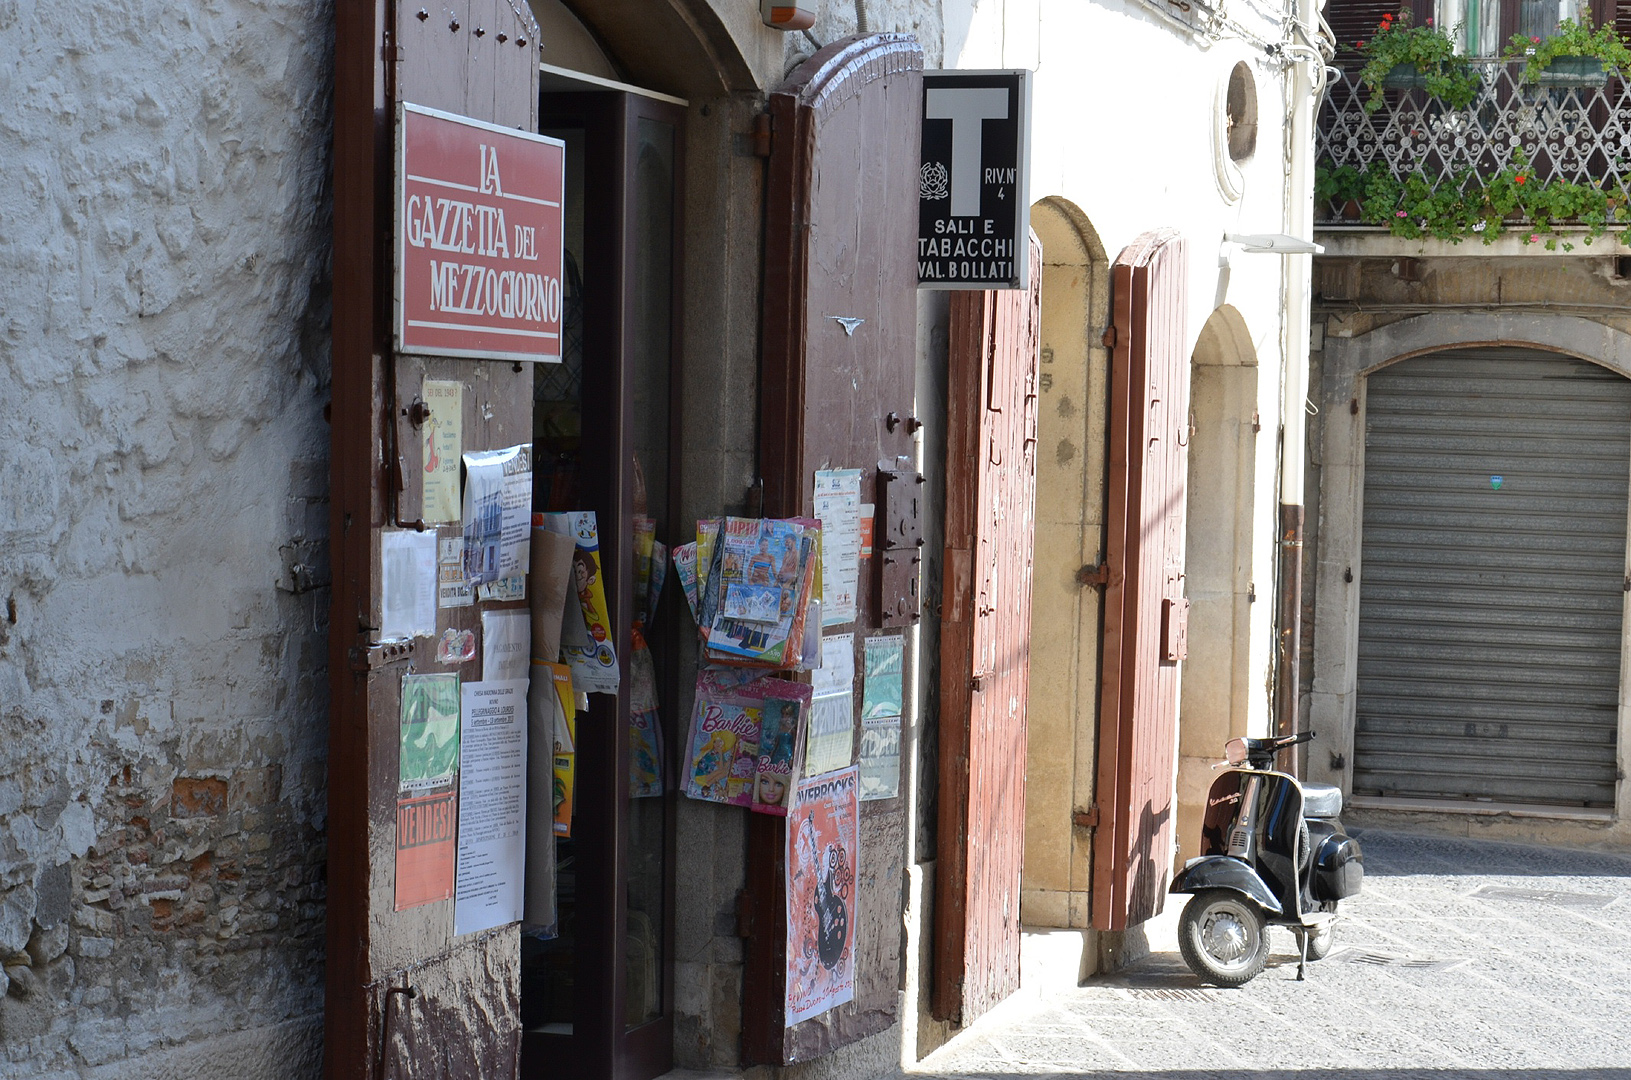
(163, 472)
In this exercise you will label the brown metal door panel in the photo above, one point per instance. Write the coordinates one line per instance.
(454, 1009)
(840, 243)
(994, 349)
(1144, 611)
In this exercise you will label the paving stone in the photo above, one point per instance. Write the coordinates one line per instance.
(1526, 987)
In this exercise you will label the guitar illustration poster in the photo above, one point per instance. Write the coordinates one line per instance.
(822, 833)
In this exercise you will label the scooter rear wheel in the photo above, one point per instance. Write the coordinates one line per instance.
(1223, 937)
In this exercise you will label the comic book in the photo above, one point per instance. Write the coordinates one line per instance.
(685, 572)
(753, 606)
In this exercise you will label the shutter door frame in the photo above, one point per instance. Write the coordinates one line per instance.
(1481, 565)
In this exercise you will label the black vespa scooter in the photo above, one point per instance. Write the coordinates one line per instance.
(1273, 852)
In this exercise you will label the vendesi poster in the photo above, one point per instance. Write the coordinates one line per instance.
(497, 513)
(838, 505)
(822, 855)
(492, 805)
(427, 789)
(442, 444)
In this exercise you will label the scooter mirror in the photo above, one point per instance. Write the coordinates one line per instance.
(1235, 751)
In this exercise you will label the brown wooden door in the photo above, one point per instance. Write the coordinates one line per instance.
(1145, 613)
(985, 642)
(840, 328)
(405, 997)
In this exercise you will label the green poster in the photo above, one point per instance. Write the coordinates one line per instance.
(881, 694)
(430, 730)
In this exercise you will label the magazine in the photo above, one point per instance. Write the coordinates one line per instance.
(754, 602)
(746, 742)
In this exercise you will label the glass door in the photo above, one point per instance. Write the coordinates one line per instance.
(596, 997)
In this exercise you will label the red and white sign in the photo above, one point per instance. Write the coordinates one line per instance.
(478, 238)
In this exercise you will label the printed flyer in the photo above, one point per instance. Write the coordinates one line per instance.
(492, 805)
(497, 513)
(427, 789)
(822, 853)
(442, 445)
(838, 505)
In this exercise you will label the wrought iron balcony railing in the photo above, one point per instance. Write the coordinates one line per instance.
(1569, 127)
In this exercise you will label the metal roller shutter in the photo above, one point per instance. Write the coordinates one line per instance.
(1493, 578)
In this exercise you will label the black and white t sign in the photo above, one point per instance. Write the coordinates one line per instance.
(974, 209)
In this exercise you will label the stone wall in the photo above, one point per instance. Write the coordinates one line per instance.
(163, 508)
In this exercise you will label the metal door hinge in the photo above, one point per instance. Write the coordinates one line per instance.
(1094, 575)
(1085, 819)
(976, 682)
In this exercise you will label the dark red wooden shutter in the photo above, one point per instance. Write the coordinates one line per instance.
(406, 999)
(985, 644)
(840, 244)
(1145, 613)
(1356, 20)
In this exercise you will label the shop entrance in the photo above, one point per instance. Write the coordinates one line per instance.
(597, 987)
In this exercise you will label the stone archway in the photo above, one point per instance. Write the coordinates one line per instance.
(1217, 694)
(1347, 364)
(1070, 478)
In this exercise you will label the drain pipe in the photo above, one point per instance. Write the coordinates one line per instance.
(1296, 271)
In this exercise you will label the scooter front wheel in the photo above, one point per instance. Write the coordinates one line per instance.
(1223, 937)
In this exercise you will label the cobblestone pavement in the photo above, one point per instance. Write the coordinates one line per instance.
(1460, 959)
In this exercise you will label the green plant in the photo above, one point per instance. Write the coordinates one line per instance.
(1465, 205)
(1571, 39)
(1426, 48)
(1338, 185)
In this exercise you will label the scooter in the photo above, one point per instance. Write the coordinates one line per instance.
(1273, 853)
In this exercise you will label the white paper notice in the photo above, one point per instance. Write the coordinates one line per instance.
(497, 513)
(492, 805)
(838, 505)
(506, 645)
(831, 741)
(407, 584)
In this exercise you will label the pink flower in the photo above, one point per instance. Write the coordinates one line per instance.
(1536, 40)
(1398, 213)
(1534, 238)
(1429, 22)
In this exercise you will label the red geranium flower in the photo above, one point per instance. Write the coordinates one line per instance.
(1520, 178)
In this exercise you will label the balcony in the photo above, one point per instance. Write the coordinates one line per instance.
(1546, 162)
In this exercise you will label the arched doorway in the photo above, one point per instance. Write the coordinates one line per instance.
(1217, 700)
(1070, 496)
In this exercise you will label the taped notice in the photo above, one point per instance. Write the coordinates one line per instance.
(838, 505)
(441, 445)
(831, 740)
(452, 590)
(407, 584)
(497, 513)
(492, 805)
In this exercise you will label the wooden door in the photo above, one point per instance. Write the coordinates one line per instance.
(840, 330)
(405, 998)
(1145, 614)
(985, 639)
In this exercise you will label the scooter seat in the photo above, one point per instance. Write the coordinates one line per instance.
(1321, 801)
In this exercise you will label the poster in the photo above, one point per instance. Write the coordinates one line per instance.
(441, 446)
(427, 789)
(838, 505)
(879, 759)
(407, 606)
(822, 851)
(506, 645)
(451, 589)
(831, 736)
(497, 513)
(881, 694)
(492, 805)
